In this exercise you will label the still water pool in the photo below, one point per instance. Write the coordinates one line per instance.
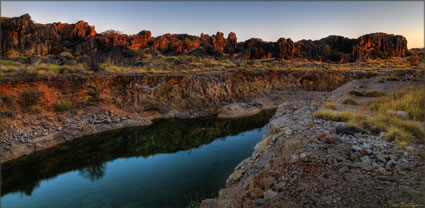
(167, 164)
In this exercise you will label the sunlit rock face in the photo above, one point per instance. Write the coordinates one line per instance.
(21, 36)
(379, 45)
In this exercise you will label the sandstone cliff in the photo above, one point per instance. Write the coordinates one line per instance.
(21, 36)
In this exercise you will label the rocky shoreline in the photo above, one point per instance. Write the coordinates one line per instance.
(303, 162)
(52, 131)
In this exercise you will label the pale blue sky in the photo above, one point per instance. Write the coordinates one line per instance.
(266, 20)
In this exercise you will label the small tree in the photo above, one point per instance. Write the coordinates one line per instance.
(95, 59)
(30, 97)
(306, 98)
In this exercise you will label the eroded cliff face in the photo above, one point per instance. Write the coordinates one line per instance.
(21, 36)
(166, 92)
(104, 102)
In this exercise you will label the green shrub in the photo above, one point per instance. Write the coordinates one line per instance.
(33, 111)
(65, 106)
(94, 94)
(7, 99)
(66, 54)
(349, 101)
(30, 97)
(330, 106)
(67, 69)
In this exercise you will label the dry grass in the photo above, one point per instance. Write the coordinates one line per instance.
(66, 54)
(195, 64)
(342, 116)
(400, 130)
(403, 130)
(349, 101)
(330, 106)
(9, 67)
(410, 100)
(65, 106)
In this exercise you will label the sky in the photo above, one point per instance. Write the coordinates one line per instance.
(266, 20)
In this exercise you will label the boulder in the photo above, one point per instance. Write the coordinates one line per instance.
(20, 60)
(34, 60)
(348, 130)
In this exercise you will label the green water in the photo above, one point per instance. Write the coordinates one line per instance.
(167, 164)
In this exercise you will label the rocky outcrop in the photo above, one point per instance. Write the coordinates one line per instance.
(380, 45)
(77, 31)
(21, 36)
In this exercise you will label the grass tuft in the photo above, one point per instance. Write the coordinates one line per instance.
(66, 54)
(330, 106)
(325, 115)
(65, 106)
(385, 123)
(33, 111)
(349, 101)
(411, 100)
(342, 116)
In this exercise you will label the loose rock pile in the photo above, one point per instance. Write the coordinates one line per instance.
(301, 163)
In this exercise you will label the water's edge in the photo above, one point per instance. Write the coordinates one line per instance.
(24, 174)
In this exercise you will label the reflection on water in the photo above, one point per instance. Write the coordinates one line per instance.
(166, 164)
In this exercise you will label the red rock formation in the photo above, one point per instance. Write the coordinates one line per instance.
(231, 43)
(379, 45)
(21, 36)
(285, 48)
(79, 30)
